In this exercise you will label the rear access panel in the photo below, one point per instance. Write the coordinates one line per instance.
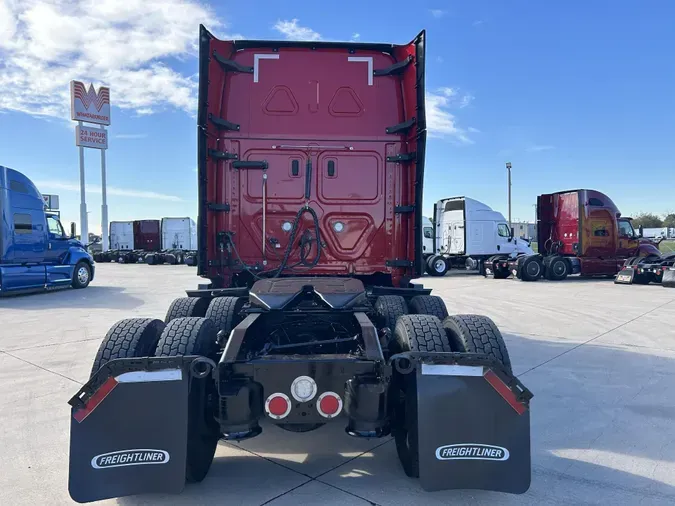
(335, 127)
(473, 432)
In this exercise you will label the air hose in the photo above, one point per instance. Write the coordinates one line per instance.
(305, 247)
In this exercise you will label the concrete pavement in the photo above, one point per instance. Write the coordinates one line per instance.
(599, 358)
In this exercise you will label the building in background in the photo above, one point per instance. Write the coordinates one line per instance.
(526, 230)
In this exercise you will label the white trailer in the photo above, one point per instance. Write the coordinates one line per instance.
(655, 233)
(179, 234)
(121, 235)
(467, 232)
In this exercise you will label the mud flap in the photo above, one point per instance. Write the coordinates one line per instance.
(668, 278)
(473, 424)
(625, 276)
(128, 429)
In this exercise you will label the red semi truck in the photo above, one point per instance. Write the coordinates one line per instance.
(578, 232)
(311, 162)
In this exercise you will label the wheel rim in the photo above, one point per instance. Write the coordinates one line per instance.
(439, 265)
(533, 269)
(559, 268)
(83, 275)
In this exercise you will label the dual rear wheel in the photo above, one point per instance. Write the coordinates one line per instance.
(434, 333)
(191, 327)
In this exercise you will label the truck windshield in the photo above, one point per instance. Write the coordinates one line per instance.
(626, 229)
(55, 227)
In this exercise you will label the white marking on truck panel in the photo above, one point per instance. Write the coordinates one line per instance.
(364, 59)
(256, 63)
(135, 457)
(149, 376)
(472, 451)
(451, 370)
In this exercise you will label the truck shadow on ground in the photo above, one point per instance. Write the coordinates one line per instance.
(587, 445)
(94, 296)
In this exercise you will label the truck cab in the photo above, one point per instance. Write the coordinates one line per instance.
(35, 251)
(579, 232)
(466, 233)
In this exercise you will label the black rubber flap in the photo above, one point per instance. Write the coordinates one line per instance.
(134, 439)
(470, 437)
(625, 276)
(668, 278)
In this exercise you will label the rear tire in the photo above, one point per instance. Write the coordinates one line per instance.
(186, 307)
(557, 269)
(195, 336)
(531, 268)
(428, 304)
(133, 337)
(412, 333)
(224, 313)
(476, 334)
(388, 309)
(437, 266)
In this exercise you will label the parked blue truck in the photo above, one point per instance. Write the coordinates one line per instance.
(35, 252)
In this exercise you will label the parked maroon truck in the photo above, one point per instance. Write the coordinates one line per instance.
(578, 232)
(311, 162)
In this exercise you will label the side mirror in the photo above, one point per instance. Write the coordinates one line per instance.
(511, 234)
(640, 231)
(73, 230)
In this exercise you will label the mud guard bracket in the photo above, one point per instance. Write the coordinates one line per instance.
(668, 278)
(473, 423)
(128, 430)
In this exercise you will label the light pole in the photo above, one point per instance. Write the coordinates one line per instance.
(508, 169)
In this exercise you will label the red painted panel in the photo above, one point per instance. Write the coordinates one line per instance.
(147, 235)
(321, 111)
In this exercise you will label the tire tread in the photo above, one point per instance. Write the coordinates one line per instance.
(477, 334)
(132, 337)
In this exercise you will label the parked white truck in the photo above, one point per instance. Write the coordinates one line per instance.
(179, 234)
(464, 233)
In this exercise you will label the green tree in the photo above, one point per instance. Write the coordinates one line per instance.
(647, 220)
(669, 220)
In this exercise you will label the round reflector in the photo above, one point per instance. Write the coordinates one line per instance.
(329, 405)
(278, 406)
(303, 389)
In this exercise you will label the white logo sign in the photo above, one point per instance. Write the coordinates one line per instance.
(89, 137)
(470, 451)
(89, 105)
(129, 458)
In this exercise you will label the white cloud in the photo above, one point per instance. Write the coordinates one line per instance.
(356, 37)
(438, 13)
(131, 136)
(111, 190)
(293, 31)
(441, 123)
(536, 148)
(473, 130)
(478, 22)
(123, 44)
(466, 100)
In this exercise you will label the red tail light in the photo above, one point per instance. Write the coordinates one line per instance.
(278, 406)
(329, 405)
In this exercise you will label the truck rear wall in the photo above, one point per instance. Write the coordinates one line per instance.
(122, 235)
(320, 118)
(179, 233)
(146, 235)
(580, 222)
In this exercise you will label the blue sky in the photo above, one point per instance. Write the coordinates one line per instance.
(574, 94)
